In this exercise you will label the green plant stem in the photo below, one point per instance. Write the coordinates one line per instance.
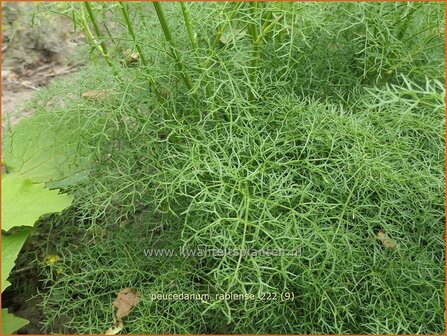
(170, 40)
(189, 28)
(131, 31)
(251, 25)
(98, 33)
(223, 28)
(267, 27)
(91, 38)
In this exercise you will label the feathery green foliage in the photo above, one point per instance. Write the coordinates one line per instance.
(304, 127)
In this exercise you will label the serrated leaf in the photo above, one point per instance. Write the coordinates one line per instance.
(23, 201)
(11, 323)
(11, 246)
(43, 153)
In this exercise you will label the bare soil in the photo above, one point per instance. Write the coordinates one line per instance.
(33, 54)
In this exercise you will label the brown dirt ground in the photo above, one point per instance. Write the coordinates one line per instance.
(32, 55)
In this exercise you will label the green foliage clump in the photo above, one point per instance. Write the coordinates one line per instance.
(307, 128)
(309, 178)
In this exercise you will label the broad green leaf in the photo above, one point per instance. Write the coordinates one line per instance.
(11, 323)
(11, 246)
(45, 153)
(23, 201)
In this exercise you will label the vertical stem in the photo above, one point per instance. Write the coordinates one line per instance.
(251, 25)
(170, 40)
(189, 26)
(98, 33)
(88, 32)
(223, 27)
(131, 31)
(93, 41)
